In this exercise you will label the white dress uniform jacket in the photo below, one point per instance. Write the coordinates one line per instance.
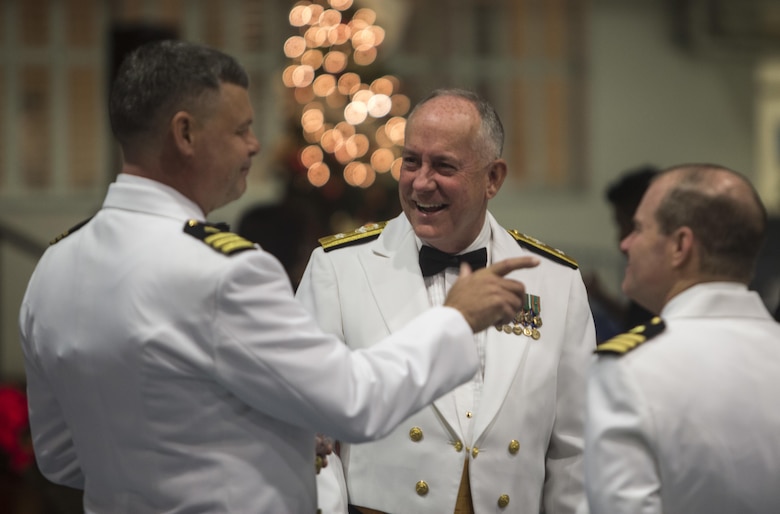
(165, 376)
(527, 430)
(688, 421)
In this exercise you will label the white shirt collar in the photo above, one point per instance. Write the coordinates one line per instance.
(175, 204)
(682, 299)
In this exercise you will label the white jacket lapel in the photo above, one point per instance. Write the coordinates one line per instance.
(394, 275)
(505, 354)
(398, 288)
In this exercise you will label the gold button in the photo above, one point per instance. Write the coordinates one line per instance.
(468, 414)
(415, 434)
(514, 446)
(421, 488)
(458, 446)
(474, 452)
(503, 500)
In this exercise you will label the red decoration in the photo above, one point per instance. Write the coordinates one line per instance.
(15, 446)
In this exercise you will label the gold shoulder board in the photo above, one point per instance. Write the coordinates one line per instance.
(69, 231)
(220, 240)
(537, 246)
(364, 234)
(624, 343)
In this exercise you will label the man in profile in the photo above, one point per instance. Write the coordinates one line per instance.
(169, 367)
(682, 411)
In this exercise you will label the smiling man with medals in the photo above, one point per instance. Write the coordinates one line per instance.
(511, 439)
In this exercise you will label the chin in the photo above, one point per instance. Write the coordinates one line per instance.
(427, 235)
(626, 288)
(239, 191)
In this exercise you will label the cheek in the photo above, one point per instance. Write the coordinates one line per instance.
(651, 257)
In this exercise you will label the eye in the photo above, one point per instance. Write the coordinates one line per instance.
(409, 162)
(446, 168)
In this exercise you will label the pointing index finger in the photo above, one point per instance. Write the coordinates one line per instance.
(501, 268)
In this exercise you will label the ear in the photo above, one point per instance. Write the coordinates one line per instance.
(495, 176)
(182, 130)
(683, 246)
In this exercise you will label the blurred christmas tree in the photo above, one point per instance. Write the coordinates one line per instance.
(346, 116)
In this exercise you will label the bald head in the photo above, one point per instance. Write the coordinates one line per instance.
(490, 138)
(724, 212)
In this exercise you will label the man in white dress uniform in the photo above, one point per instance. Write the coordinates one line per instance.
(169, 367)
(510, 440)
(683, 412)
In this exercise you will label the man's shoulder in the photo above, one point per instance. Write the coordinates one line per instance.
(534, 245)
(360, 235)
(70, 231)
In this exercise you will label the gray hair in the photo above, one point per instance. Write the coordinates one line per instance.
(161, 78)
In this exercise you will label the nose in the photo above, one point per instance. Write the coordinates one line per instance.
(254, 144)
(625, 242)
(423, 179)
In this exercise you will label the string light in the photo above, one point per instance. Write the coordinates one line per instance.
(358, 124)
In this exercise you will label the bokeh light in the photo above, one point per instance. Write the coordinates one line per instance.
(294, 46)
(341, 5)
(318, 174)
(348, 122)
(382, 159)
(311, 155)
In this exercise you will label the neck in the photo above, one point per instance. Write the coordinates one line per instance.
(174, 181)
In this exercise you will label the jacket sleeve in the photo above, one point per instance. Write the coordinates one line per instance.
(55, 452)
(564, 488)
(271, 354)
(620, 470)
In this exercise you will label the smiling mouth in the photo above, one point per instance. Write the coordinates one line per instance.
(430, 208)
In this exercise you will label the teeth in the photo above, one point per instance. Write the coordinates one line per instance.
(431, 206)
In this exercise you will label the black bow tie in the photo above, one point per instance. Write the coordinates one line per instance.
(432, 261)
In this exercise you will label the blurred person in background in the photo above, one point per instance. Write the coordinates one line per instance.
(614, 314)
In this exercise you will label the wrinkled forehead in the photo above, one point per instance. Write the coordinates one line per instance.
(446, 108)
(443, 126)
